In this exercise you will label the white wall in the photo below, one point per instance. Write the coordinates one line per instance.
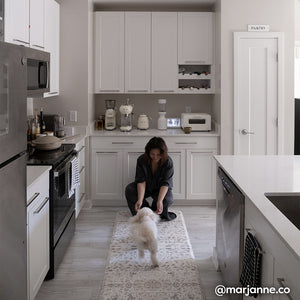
(75, 62)
(235, 16)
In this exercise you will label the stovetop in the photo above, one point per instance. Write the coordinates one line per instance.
(50, 157)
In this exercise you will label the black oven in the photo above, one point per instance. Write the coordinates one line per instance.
(62, 200)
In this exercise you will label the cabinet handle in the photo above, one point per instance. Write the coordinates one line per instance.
(81, 149)
(20, 41)
(82, 168)
(109, 91)
(33, 197)
(186, 143)
(42, 205)
(195, 62)
(38, 46)
(139, 91)
(81, 198)
(281, 283)
(52, 93)
(122, 143)
(164, 91)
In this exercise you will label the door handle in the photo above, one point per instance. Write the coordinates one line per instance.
(245, 132)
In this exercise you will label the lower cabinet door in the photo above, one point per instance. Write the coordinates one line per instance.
(107, 175)
(201, 174)
(178, 157)
(38, 244)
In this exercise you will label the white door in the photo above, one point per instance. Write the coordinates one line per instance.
(257, 92)
(178, 157)
(164, 52)
(137, 52)
(130, 159)
(195, 38)
(109, 52)
(201, 174)
(107, 175)
(51, 43)
(37, 24)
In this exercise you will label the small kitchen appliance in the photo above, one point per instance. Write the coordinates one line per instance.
(162, 121)
(55, 123)
(110, 115)
(126, 116)
(197, 121)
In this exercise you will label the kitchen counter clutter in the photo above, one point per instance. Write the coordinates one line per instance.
(279, 238)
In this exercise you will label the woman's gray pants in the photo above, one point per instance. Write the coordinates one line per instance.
(132, 197)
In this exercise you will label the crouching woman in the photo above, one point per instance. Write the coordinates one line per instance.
(153, 178)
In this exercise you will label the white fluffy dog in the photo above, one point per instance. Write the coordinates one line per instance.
(144, 232)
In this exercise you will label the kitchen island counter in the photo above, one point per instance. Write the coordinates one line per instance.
(257, 175)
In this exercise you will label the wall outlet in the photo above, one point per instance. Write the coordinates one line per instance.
(73, 115)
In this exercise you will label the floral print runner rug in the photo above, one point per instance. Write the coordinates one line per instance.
(127, 277)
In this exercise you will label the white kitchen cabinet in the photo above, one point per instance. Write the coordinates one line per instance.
(129, 159)
(113, 161)
(37, 233)
(280, 266)
(52, 44)
(37, 11)
(107, 173)
(195, 38)
(164, 69)
(16, 29)
(179, 178)
(201, 174)
(137, 52)
(80, 191)
(109, 52)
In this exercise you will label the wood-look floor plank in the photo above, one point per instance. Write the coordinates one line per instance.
(81, 272)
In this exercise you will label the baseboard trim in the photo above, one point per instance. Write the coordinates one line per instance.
(103, 202)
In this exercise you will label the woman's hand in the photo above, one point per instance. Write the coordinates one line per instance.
(159, 206)
(138, 205)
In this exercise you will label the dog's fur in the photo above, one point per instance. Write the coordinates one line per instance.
(144, 232)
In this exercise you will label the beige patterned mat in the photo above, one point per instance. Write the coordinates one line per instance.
(177, 276)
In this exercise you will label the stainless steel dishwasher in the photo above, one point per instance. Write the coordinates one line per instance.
(230, 230)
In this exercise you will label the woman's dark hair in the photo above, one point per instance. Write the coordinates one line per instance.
(156, 143)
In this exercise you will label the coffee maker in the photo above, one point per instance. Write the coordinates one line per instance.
(110, 115)
(126, 116)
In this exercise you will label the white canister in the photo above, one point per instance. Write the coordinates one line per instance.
(143, 122)
(162, 121)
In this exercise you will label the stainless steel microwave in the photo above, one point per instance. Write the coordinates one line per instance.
(38, 72)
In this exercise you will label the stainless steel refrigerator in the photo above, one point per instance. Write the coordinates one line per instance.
(13, 237)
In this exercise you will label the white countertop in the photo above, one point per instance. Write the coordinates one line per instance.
(34, 172)
(153, 132)
(257, 175)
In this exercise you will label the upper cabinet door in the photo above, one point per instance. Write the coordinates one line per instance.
(164, 52)
(109, 52)
(51, 34)
(195, 38)
(17, 22)
(137, 52)
(37, 24)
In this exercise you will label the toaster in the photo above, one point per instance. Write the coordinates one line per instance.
(197, 121)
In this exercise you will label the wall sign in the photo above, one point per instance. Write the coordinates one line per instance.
(258, 27)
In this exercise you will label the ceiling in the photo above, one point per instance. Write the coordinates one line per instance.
(204, 4)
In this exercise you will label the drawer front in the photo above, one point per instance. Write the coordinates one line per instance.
(40, 189)
(140, 142)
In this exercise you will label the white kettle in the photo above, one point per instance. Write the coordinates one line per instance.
(143, 122)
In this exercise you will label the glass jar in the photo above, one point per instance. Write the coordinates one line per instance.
(162, 105)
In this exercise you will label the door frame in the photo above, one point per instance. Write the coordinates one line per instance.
(238, 36)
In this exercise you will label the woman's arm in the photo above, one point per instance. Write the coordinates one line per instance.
(162, 193)
(141, 187)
